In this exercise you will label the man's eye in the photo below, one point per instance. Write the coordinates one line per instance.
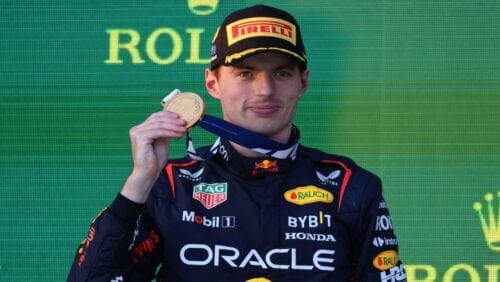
(245, 74)
(283, 73)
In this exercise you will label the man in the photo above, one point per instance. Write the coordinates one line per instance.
(235, 212)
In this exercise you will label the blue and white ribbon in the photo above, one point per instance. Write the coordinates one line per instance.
(244, 137)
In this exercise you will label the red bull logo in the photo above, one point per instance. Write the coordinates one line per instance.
(265, 166)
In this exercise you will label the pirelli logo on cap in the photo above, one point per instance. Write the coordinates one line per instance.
(261, 26)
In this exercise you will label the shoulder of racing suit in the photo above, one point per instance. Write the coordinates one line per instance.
(356, 184)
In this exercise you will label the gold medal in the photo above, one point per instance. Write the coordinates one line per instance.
(189, 106)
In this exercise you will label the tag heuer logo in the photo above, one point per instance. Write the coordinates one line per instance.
(210, 195)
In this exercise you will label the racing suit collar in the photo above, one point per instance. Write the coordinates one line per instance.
(253, 167)
(256, 167)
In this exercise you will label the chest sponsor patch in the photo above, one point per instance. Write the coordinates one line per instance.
(307, 195)
(210, 195)
(386, 260)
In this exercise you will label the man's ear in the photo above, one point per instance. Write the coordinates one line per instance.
(305, 81)
(211, 83)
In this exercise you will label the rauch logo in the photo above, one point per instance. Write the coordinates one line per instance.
(307, 195)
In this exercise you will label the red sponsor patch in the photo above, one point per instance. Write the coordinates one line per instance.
(210, 195)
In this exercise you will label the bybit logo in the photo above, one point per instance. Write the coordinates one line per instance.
(490, 222)
(202, 7)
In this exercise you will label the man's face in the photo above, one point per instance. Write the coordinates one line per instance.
(260, 93)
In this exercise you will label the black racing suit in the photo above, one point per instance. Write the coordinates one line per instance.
(318, 217)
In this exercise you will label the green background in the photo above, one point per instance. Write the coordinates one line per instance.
(409, 89)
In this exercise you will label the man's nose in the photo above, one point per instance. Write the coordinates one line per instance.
(265, 85)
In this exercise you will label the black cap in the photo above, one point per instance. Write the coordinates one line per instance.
(256, 29)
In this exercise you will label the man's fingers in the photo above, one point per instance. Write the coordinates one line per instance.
(160, 125)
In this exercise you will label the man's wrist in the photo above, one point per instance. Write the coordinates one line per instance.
(126, 209)
(137, 187)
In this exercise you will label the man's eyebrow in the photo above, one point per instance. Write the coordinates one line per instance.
(242, 65)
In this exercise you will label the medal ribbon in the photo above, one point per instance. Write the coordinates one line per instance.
(244, 137)
(239, 135)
